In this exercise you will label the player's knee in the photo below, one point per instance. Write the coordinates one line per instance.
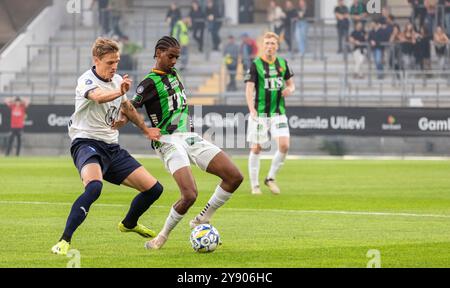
(94, 188)
(235, 179)
(155, 192)
(189, 196)
(284, 148)
(256, 149)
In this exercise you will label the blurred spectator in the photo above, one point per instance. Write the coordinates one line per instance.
(375, 39)
(418, 11)
(181, 33)
(422, 49)
(18, 108)
(301, 28)
(128, 51)
(447, 16)
(104, 14)
(231, 54)
(441, 42)
(395, 54)
(173, 15)
(431, 17)
(246, 11)
(291, 15)
(383, 19)
(249, 51)
(198, 24)
(275, 16)
(358, 40)
(408, 40)
(214, 16)
(358, 13)
(343, 23)
(117, 7)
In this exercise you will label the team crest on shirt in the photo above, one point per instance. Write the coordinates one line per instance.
(111, 116)
(281, 70)
(140, 89)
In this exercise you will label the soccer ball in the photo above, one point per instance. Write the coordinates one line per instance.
(205, 238)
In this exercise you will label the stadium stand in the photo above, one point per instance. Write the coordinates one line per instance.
(46, 69)
(324, 77)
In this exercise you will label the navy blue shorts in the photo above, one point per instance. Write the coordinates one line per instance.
(116, 163)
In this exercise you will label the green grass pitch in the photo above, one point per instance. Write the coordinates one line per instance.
(330, 214)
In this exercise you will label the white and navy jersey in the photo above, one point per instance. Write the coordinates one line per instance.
(92, 120)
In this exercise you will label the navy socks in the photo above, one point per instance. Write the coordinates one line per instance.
(140, 204)
(80, 208)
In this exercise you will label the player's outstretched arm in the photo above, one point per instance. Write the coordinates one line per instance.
(130, 112)
(100, 96)
(104, 96)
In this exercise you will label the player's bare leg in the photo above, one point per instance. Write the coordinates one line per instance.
(224, 168)
(188, 188)
(277, 162)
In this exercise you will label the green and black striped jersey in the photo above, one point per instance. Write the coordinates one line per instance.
(270, 80)
(164, 98)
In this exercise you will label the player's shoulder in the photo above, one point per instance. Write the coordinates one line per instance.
(257, 59)
(87, 78)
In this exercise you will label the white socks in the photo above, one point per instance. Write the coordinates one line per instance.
(277, 162)
(217, 200)
(171, 221)
(253, 168)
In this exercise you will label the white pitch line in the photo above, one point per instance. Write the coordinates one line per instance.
(325, 212)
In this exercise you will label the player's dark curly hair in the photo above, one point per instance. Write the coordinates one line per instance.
(166, 43)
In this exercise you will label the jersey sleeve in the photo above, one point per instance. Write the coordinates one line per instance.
(144, 92)
(289, 73)
(86, 85)
(252, 74)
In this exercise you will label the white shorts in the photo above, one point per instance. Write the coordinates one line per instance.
(258, 130)
(181, 149)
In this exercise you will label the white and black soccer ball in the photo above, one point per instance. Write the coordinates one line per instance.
(205, 238)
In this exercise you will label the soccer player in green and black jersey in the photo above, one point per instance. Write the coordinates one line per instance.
(163, 95)
(269, 82)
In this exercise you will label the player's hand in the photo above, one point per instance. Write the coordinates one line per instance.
(286, 92)
(125, 86)
(153, 134)
(254, 114)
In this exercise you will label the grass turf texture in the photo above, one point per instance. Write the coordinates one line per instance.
(303, 227)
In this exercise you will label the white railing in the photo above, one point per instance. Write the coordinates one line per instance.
(39, 31)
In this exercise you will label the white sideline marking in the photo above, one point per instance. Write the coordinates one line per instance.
(364, 213)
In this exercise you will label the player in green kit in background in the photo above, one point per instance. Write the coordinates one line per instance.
(163, 95)
(269, 82)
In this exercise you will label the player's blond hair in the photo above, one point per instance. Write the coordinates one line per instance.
(103, 46)
(269, 35)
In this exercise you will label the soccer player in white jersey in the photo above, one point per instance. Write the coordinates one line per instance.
(101, 105)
